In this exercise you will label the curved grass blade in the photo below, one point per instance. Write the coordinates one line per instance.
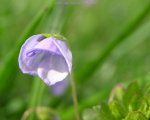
(91, 68)
(8, 70)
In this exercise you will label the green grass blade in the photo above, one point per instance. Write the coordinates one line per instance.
(38, 87)
(91, 68)
(8, 70)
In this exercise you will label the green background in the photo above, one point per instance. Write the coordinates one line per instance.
(109, 40)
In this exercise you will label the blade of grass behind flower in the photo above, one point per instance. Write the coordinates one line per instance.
(92, 66)
(37, 86)
(35, 100)
(9, 67)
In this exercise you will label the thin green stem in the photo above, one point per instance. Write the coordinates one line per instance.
(95, 98)
(38, 87)
(75, 99)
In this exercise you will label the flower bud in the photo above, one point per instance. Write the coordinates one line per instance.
(47, 57)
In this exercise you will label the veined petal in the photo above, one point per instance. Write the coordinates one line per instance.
(28, 45)
(46, 45)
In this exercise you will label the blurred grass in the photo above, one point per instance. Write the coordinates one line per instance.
(93, 32)
(93, 66)
(11, 60)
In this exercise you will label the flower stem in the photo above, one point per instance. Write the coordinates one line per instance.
(38, 87)
(75, 99)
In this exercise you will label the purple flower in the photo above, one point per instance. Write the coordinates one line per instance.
(47, 57)
(60, 87)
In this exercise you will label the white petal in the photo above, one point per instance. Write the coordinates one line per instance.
(56, 76)
(53, 69)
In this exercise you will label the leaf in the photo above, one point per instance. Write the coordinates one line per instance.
(99, 112)
(132, 96)
(135, 104)
(105, 113)
(117, 93)
(135, 116)
(145, 106)
(90, 114)
(117, 109)
(146, 90)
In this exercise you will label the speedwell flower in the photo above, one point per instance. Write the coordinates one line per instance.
(47, 57)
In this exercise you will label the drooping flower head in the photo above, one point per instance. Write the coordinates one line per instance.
(46, 56)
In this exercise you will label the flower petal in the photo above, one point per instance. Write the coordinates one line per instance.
(53, 69)
(28, 45)
(61, 45)
(46, 45)
(60, 87)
